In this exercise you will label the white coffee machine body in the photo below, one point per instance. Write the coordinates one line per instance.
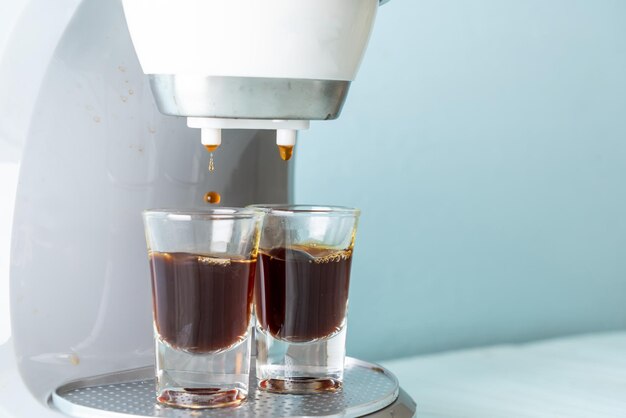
(95, 152)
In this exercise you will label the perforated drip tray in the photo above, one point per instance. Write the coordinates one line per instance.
(367, 388)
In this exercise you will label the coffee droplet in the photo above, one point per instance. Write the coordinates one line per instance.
(211, 163)
(286, 151)
(211, 149)
(212, 198)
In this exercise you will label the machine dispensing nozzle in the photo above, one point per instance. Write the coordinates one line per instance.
(211, 138)
(286, 131)
(286, 140)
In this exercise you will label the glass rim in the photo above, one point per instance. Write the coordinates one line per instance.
(284, 209)
(222, 212)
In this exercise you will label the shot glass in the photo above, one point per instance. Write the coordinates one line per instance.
(301, 297)
(203, 266)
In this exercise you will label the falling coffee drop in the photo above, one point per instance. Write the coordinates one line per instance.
(286, 151)
(212, 198)
(211, 149)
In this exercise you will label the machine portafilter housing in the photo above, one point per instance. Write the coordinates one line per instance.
(249, 64)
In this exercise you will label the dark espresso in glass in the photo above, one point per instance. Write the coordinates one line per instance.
(202, 304)
(301, 293)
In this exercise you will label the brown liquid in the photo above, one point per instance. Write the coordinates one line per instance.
(212, 197)
(201, 304)
(211, 149)
(301, 294)
(285, 151)
(211, 163)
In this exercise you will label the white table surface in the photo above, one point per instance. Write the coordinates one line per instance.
(581, 376)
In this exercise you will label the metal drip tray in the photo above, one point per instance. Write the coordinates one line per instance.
(367, 388)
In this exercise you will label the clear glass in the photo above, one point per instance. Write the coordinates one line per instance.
(203, 266)
(301, 296)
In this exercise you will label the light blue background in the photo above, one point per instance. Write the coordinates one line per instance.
(485, 142)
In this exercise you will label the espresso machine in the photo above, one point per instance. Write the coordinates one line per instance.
(113, 106)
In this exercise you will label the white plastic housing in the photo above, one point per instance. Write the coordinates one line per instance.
(95, 152)
(308, 39)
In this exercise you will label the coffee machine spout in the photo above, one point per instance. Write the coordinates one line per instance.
(286, 131)
(211, 138)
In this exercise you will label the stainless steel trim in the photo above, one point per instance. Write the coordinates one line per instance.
(248, 97)
(403, 407)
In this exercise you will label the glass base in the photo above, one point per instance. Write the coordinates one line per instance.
(201, 398)
(202, 380)
(300, 385)
(300, 368)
